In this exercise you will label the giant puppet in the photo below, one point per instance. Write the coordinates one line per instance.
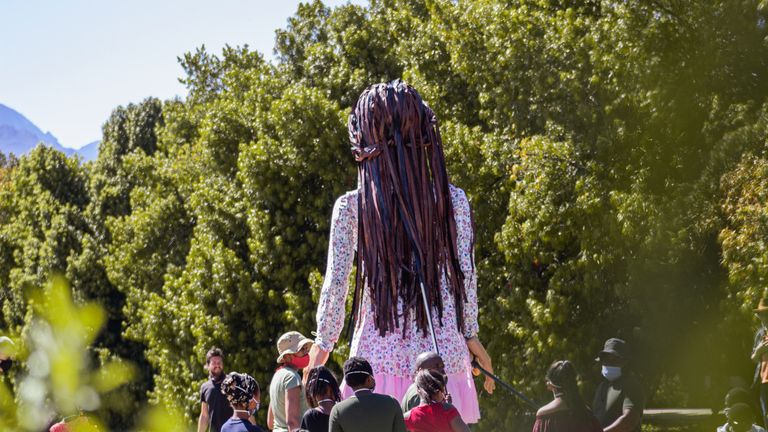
(410, 234)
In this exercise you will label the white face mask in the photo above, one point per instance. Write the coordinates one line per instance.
(249, 411)
(611, 373)
(364, 373)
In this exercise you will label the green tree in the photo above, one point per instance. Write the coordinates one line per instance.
(42, 207)
(129, 132)
(613, 154)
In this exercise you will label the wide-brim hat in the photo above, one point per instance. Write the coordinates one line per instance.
(613, 346)
(762, 306)
(291, 343)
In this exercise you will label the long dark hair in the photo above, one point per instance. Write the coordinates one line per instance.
(406, 229)
(562, 376)
(428, 383)
(321, 379)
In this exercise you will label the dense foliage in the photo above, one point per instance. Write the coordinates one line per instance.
(614, 153)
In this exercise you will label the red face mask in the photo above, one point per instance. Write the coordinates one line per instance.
(300, 362)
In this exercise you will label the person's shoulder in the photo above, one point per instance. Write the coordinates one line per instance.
(631, 383)
(633, 391)
(387, 400)
(383, 396)
(291, 377)
(457, 193)
(278, 376)
(285, 372)
(228, 425)
(449, 409)
(312, 413)
(419, 408)
(460, 201)
(554, 407)
(380, 398)
(346, 200)
(283, 377)
(345, 403)
(206, 386)
(416, 411)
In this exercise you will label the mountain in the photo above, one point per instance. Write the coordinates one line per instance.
(89, 151)
(18, 135)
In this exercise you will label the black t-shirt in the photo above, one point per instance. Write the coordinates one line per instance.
(612, 398)
(315, 421)
(219, 410)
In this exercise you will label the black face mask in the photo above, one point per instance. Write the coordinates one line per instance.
(6, 364)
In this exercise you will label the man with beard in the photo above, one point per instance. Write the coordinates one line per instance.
(214, 407)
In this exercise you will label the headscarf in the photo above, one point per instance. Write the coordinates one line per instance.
(239, 388)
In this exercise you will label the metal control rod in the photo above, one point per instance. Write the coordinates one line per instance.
(498, 380)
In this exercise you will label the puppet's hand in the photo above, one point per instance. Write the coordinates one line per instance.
(317, 357)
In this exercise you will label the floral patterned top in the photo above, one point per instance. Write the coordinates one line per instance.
(394, 354)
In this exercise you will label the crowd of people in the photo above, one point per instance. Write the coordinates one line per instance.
(304, 399)
(315, 402)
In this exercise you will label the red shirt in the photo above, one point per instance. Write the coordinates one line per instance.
(435, 417)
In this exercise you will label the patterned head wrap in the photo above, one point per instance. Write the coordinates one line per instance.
(239, 388)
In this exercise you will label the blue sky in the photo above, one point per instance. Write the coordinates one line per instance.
(66, 64)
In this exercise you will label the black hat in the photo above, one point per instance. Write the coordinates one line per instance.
(614, 346)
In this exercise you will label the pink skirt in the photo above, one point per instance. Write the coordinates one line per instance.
(460, 386)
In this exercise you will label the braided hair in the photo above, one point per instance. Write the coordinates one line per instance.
(428, 383)
(321, 379)
(239, 388)
(406, 229)
(562, 375)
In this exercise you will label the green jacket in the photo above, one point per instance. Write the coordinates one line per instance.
(367, 412)
(411, 399)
